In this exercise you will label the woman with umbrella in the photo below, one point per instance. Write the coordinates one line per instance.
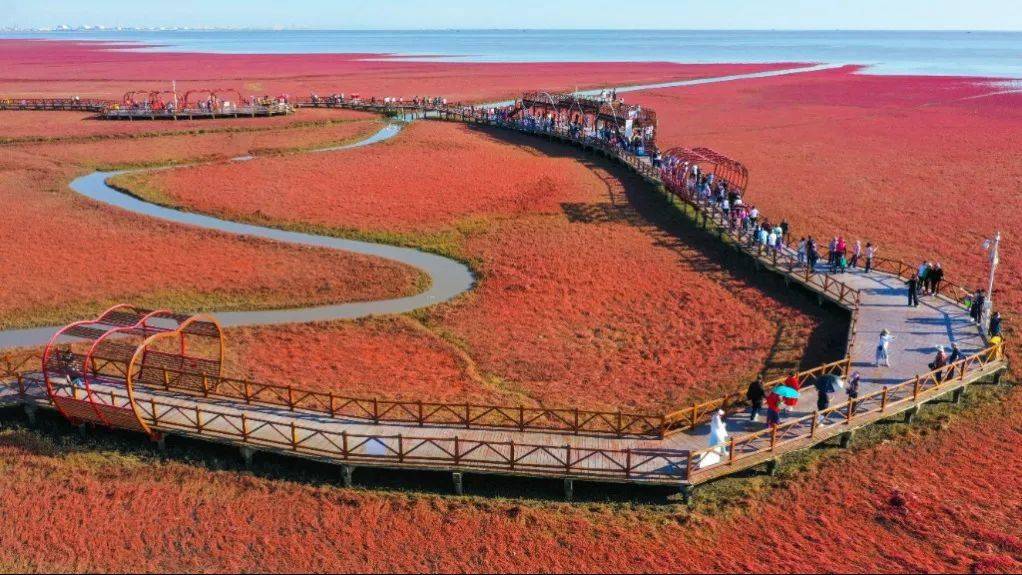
(780, 393)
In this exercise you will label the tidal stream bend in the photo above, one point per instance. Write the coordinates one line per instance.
(449, 278)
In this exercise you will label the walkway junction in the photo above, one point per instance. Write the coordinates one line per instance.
(158, 372)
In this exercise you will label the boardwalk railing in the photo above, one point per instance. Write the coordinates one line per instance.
(829, 422)
(375, 410)
(194, 418)
(50, 104)
(690, 417)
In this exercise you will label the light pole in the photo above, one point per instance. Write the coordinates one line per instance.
(992, 246)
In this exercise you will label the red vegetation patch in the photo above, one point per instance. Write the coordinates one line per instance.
(431, 176)
(21, 126)
(394, 358)
(222, 145)
(91, 70)
(74, 255)
(166, 516)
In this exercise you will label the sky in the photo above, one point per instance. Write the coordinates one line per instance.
(546, 14)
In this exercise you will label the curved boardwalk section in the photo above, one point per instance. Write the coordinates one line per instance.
(668, 449)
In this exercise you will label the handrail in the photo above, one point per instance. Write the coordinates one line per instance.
(689, 417)
(822, 423)
(658, 465)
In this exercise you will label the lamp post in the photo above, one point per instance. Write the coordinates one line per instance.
(992, 246)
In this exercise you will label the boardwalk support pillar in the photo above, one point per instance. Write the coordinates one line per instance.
(687, 491)
(346, 472)
(997, 377)
(846, 439)
(956, 396)
(459, 485)
(247, 453)
(161, 442)
(771, 466)
(910, 414)
(30, 411)
(569, 489)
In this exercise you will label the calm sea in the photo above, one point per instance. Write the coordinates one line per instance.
(995, 54)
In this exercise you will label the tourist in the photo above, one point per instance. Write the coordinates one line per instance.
(976, 309)
(884, 348)
(913, 290)
(773, 402)
(791, 381)
(718, 432)
(785, 229)
(921, 275)
(832, 252)
(852, 389)
(856, 252)
(940, 361)
(812, 253)
(801, 253)
(755, 395)
(956, 355)
(995, 325)
(871, 251)
(934, 277)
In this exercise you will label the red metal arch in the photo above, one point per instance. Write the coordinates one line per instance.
(118, 350)
(215, 94)
(677, 166)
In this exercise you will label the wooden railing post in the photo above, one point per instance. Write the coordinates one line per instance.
(521, 418)
(205, 386)
(731, 452)
(628, 462)
(152, 406)
(344, 445)
(567, 458)
(290, 398)
(457, 450)
(421, 414)
(333, 408)
(883, 400)
(247, 392)
(915, 389)
(244, 426)
(198, 419)
(575, 424)
(376, 411)
(400, 448)
(773, 437)
(294, 437)
(512, 458)
(812, 425)
(848, 415)
(468, 416)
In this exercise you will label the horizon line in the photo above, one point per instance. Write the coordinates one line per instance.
(299, 28)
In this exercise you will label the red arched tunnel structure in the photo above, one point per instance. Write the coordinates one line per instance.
(678, 166)
(93, 368)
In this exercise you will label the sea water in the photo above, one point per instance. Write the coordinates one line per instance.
(955, 53)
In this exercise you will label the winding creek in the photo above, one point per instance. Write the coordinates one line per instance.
(448, 278)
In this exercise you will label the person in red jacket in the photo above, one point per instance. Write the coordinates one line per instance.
(773, 402)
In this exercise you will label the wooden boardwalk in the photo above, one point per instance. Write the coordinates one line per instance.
(676, 454)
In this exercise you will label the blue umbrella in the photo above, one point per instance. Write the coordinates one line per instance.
(785, 391)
